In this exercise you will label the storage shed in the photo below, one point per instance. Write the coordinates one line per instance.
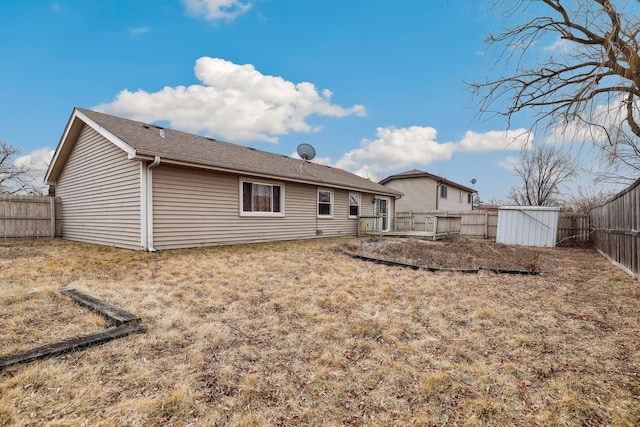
(528, 225)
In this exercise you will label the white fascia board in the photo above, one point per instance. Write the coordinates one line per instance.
(64, 140)
(56, 153)
(111, 137)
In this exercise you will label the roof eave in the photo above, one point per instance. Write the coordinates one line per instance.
(71, 132)
(147, 156)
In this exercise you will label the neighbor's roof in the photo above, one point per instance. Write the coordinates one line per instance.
(143, 141)
(417, 173)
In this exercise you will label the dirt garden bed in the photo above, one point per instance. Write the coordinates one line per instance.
(458, 254)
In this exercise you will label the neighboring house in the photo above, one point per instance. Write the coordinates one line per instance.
(140, 186)
(425, 192)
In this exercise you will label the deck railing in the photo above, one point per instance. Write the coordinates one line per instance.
(370, 225)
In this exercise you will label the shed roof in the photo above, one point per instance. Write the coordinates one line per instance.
(529, 208)
(146, 141)
(417, 173)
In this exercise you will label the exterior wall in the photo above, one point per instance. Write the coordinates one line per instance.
(194, 208)
(100, 192)
(452, 202)
(420, 196)
(528, 225)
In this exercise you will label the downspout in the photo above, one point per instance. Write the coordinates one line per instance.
(149, 202)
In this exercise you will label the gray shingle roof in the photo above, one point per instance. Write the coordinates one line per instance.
(200, 151)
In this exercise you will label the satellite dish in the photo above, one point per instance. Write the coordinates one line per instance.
(473, 181)
(306, 152)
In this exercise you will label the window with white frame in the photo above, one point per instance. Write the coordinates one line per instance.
(325, 203)
(469, 198)
(261, 199)
(460, 198)
(443, 191)
(354, 205)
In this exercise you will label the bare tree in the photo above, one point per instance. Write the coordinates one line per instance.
(543, 170)
(588, 88)
(14, 178)
(583, 199)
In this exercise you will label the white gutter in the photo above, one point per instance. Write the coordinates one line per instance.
(146, 204)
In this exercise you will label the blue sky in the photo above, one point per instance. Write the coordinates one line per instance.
(377, 88)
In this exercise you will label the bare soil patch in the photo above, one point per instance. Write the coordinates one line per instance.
(299, 333)
(455, 254)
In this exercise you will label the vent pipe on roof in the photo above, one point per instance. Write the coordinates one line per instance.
(162, 133)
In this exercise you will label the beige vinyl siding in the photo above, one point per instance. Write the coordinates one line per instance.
(100, 192)
(419, 194)
(452, 202)
(340, 224)
(201, 208)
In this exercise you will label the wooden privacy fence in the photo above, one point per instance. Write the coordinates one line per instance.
(467, 223)
(574, 227)
(616, 228)
(483, 224)
(23, 217)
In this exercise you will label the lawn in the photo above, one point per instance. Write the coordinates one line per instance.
(299, 333)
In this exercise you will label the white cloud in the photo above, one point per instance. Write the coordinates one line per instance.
(56, 7)
(561, 46)
(37, 162)
(396, 148)
(516, 139)
(609, 116)
(214, 10)
(38, 159)
(234, 102)
(139, 30)
(509, 163)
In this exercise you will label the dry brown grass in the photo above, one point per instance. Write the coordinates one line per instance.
(300, 334)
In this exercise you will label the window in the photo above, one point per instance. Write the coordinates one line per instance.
(261, 199)
(443, 191)
(354, 205)
(325, 199)
(469, 197)
(460, 198)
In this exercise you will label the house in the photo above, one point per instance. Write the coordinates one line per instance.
(140, 186)
(425, 192)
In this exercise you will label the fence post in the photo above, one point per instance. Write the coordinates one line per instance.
(52, 227)
(435, 226)
(486, 224)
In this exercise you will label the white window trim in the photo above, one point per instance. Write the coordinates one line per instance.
(359, 204)
(460, 200)
(260, 214)
(331, 203)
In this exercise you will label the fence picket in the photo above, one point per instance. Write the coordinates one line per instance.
(616, 228)
(24, 217)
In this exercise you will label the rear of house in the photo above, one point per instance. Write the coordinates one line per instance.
(134, 185)
(425, 192)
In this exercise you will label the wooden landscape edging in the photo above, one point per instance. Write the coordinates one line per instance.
(438, 269)
(114, 314)
(126, 324)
